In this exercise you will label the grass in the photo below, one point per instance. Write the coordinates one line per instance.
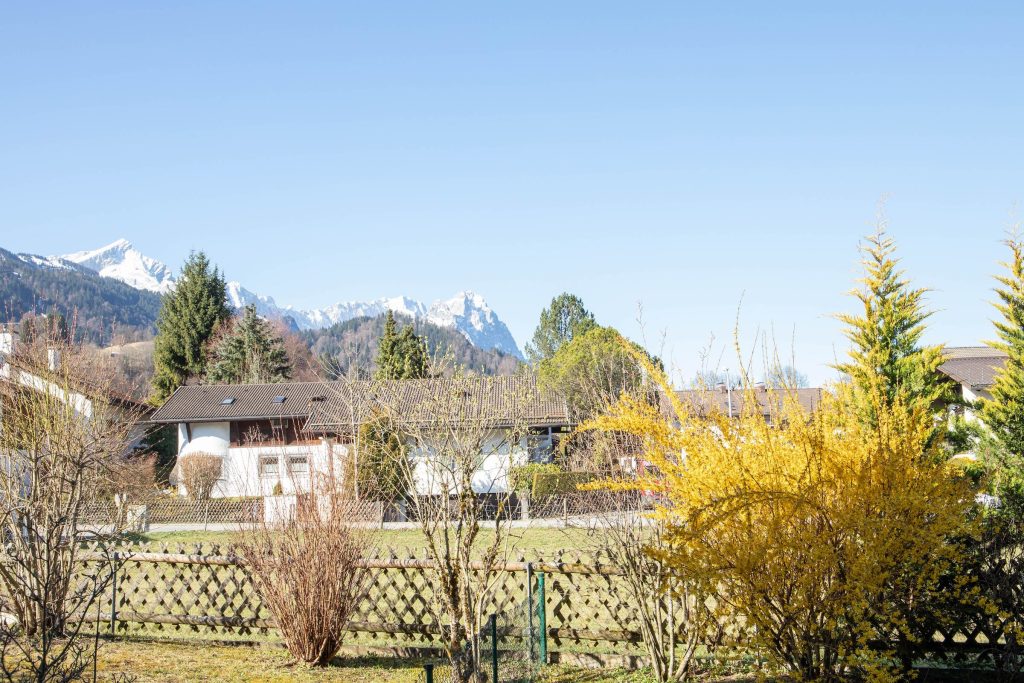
(537, 542)
(151, 662)
(146, 662)
(155, 662)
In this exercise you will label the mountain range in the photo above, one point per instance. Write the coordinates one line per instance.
(465, 312)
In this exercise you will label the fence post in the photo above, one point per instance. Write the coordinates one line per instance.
(113, 595)
(529, 608)
(429, 670)
(542, 619)
(565, 511)
(494, 648)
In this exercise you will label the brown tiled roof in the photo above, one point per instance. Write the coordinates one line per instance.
(705, 401)
(973, 366)
(205, 402)
(330, 405)
(496, 400)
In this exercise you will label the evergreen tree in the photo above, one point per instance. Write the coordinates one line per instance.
(28, 329)
(887, 361)
(188, 317)
(1003, 414)
(381, 472)
(57, 327)
(401, 354)
(249, 353)
(564, 320)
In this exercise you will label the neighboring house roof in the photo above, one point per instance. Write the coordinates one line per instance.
(972, 366)
(705, 401)
(334, 405)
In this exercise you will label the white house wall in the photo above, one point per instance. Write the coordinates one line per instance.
(240, 470)
(433, 475)
(240, 465)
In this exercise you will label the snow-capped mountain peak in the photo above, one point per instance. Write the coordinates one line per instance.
(467, 311)
(121, 261)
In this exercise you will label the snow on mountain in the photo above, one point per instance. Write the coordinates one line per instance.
(46, 261)
(470, 314)
(121, 261)
(466, 311)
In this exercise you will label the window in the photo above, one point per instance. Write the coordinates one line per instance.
(298, 464)
(269, 466)
(228, 401)
(279, 399)
(539, 445)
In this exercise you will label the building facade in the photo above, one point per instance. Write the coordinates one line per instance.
(272, 439)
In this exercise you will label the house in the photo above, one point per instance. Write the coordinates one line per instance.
(24, 370)
(733, 402)
(973, 370)
(277, 438)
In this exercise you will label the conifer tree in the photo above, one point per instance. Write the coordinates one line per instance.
(401, 354)
(559, 324)
(188, 317)
(1003, 414)
(887, 360)
(249, 353)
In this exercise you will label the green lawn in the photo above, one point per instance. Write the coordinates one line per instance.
(154, 662)
(148, 662)
(537, 542)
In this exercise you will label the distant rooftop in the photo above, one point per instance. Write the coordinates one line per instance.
(705, 401)
(972, 366)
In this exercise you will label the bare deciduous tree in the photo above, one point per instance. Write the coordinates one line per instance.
(61, 435)
(129, 482)
(457, 430)
(670, 612)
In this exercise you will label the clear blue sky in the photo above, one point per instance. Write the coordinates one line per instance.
(684, 156)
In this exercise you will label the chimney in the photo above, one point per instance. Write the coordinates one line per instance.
(53, 359)
(8, 342)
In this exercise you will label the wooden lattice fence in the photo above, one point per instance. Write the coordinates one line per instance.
(204, 591)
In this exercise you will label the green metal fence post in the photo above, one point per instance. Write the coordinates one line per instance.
(429, 670)
(113, 595)
(542, 619)
(494, 648)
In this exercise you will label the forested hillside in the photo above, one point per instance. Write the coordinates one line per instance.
(350, 348)
(101, 308)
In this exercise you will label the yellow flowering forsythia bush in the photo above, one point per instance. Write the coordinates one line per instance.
(827, 537)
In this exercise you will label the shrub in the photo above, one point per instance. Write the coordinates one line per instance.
(822, 531)
(199, 474)
(305, 569)
(520, 477)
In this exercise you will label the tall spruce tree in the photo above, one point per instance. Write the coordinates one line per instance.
(887, 360)
(401, 354)
(249, 353)
(1003, 414)
(566, 319)
(188, 317)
